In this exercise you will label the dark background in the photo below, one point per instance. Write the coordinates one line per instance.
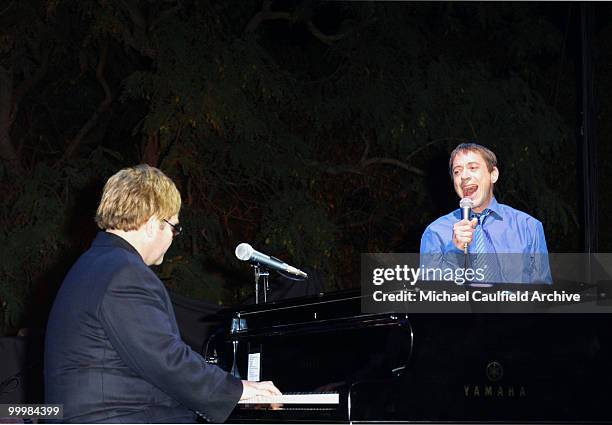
(314, 130)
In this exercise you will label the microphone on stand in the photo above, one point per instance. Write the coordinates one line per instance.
(466, 205)
(245, 252)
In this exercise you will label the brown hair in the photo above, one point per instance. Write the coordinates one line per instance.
(487, 155)
(135, 194)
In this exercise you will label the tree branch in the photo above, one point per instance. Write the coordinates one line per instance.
(163, 16)
(6, 98)
(8, 153)
(433, 142)
(393, 161)
(367, 148)
(150, 149)
(266, 14)
(325, 38)
(364, 163)
(135, 13)
(3, 11)
(138, 38)
(9, 106)
(102, 107)
(27, 84)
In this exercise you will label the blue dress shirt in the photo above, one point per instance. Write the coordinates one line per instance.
(515, 242)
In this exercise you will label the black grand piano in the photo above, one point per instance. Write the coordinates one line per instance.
(335, 364)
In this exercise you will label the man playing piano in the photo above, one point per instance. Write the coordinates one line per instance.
(113, 352)
(512, 241)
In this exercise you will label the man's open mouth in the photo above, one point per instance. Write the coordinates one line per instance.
(469, 190)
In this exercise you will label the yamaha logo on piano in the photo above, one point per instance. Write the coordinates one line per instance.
(494, 372)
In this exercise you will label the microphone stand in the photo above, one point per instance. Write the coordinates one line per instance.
(261, 272)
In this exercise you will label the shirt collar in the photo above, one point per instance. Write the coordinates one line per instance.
(493, 206)
(495, 209)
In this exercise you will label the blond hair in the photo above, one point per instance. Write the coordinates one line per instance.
(135, 194)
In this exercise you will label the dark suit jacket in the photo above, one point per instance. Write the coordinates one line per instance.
(113, 352)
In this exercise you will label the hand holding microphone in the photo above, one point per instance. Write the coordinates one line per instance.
(463, 230)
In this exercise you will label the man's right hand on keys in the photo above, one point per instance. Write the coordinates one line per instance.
(252, 389)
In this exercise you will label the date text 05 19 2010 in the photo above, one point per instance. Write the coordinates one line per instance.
(50, 411)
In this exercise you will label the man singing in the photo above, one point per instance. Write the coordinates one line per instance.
(508, 244)
(113, 352)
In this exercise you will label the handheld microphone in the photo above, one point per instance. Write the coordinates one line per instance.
(466, 205)
(245, 252)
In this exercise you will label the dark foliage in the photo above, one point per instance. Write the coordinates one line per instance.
(318, 130)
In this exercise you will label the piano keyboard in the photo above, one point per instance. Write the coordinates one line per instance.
(295, 398)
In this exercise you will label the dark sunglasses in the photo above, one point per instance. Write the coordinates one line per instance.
(176, 228)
